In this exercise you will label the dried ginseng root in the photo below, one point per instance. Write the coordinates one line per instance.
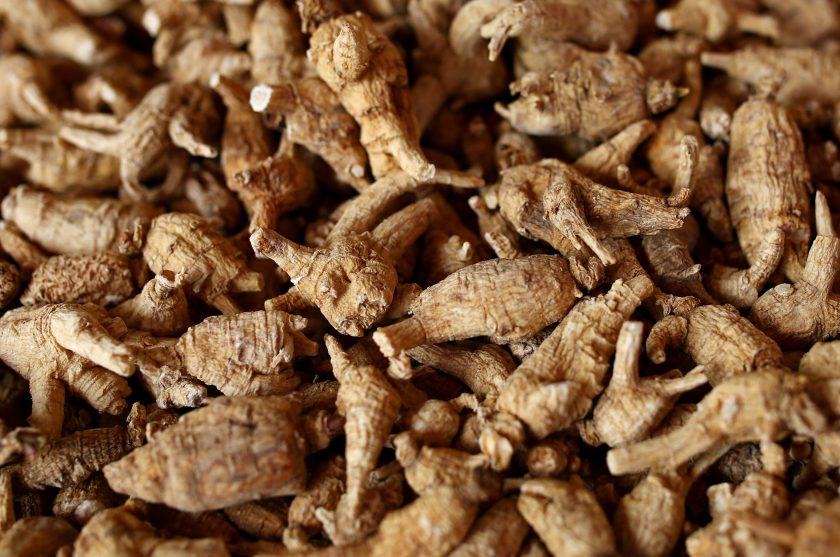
(765, 405)
(717, 20)
(24, 93)
(366, 72)
(161, 308)
(519, 313)
(37, 536)
(499, 531)
(65, 345)
(596, 97)
(245, 448)
(630, 407)
(104, 279)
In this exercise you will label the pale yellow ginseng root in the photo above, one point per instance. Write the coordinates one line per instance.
(572, 101)
(59, 166)
(104, 279)
(98, 224)
(370, 406)
(716, 337)
(555, 386)
(765, 405)
(566, 516)
(717, 20)
(249, 353)
(314, 119)
(24, 94)
(527, 294)
(352, 279)
(65, 346)
(171, 116)
(807, 311)
(500, 531)
(246, 448)
(119, 532)
(595, 25)
(276, 45)
(161, 308)
(186, 244)
(35, 536)
(630, 407)
(768, 182)
(365, 70)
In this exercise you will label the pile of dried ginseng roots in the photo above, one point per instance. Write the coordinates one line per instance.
(435, 278)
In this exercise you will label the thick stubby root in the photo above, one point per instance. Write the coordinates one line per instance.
(716, 20)
(103, 279)
(161, 308)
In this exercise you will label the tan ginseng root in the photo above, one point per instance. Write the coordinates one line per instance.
(499, 531)
(717, 338)
(314, 119)
(352, 279)
(495, 230)
(248, 353)
(600, 164)
(481, 367)
(119, 532)
(765, 405)
(596, 97)
(555, 386)
(24, 93)
(370, 406)
(38, 536)
(505, 299)
(98, 224)
(78, 503)
(26, 255)
(240, 448)
(649, 520)
(206, 194)
(807, 311)
(161, 308)
(10, 279)
(264, 520)
(366, 72)
(59, 166)
(324, 489)
(65, 346)
(103, 279)
(663, 154)
(172, 116)
(567, 517)
(718, 20)
(593, 24)
(187, 245)
(630, 407)
(276, 45)
(432, 525)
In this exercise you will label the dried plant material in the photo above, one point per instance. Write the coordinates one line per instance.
(596, 97)
(23, 252)
(600, 164)
(765, 196)
(315, 119)
(365, 70)
(352, 279)
(99, 224)
(762, 406)
(246, 448)
(819, 365)
(499, 531)
(596, 25)
(483, 367)
(275, 186)
(72, 459)
(246, 354)
(65, 345)
(717, 20)
(24, 95)
(795, 75)
(668, 255)
(161, 373)
(9, 283)
(78, 503)
(552, 457)
(805, 312)
(369, 405)
(263, 519)
(52, 28)
(325, 487)
(665, 57)
(521, 313)
(721, 97)
(59, 166)
(276, 45)
(186, 244)
(630, 407)
(119, 532)
(555, 387)
(207, 196)
(716, 337)
(566, 516)
(514, 148)
(160, 308)
(169, 117)
(804, 22)
(495, 230)
(103, 279)
(434, 424)
(37, 536)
